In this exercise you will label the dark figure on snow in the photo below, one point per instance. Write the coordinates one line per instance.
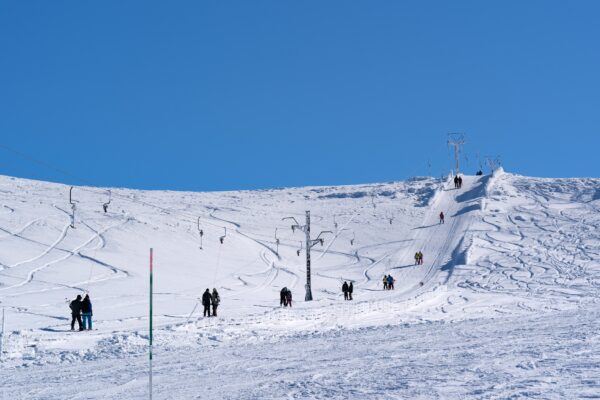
(215, 300)
(350, 290)
(75, 307)
(420, 258)
(385, 282)
(390, 282)
(460, 182)
(417, 258)
(206, 299)
(283, 297)
(456, 182)
(479, 173)
(441, 217)
(288, 297)
(86, 312)
(345, 290)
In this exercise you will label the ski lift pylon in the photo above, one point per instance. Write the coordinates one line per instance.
(200, 232)
(105, 205)
(222, 238)
(72, 207)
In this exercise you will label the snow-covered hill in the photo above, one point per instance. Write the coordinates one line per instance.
(503, 301)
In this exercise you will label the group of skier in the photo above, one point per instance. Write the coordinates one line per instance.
(209, 299)
(388, 282)
(81, 308)
(347, 289)
(285, 297)
(457, 182)
(419, 258)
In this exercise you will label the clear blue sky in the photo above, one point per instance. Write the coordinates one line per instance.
(214, 95)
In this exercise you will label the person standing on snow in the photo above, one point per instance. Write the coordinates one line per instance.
(441, 217)
(345, 290)
(75, 307)
(420, 258)
(350, 290)
(456, 182)
(390, 282)
(288, 297)
(86, 312)
(460, 182)
(215, 300)
(206, 299)
(283, 297)
(385, 282)
(417, 258)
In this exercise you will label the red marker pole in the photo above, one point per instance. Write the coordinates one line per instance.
(150, 376)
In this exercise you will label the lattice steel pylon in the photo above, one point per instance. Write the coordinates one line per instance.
(456, 140)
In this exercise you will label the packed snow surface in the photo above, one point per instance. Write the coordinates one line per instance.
(505, 304)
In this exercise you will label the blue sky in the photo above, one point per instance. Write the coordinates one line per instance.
(219, 95)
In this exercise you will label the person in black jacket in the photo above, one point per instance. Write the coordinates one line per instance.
(283, 297)
(86, 312)
(350, 290)
(206, 299)
(345, 290)
(75, 307)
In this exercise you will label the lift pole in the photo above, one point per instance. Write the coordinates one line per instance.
(310, 243)
(308, 296)
(150, 353)
(2, 334)
(456, 140)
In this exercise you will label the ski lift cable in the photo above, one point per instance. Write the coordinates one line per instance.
(182, 215)
(217, 266)
(84, 181)
(350, 220)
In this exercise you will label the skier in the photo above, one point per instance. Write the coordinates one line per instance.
(390, 282)
(385, 282)
(288, 297)
(456, 182)
(345, 290)
(216, 300)
(460, 182)
(75, 307)
(350, 290)
(283, 297)
(441, 217)
(479, 173)
(86, 312)
(417, 258)
(206, 302)
(420, 258)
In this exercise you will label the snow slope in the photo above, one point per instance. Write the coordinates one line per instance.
(505, 303)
